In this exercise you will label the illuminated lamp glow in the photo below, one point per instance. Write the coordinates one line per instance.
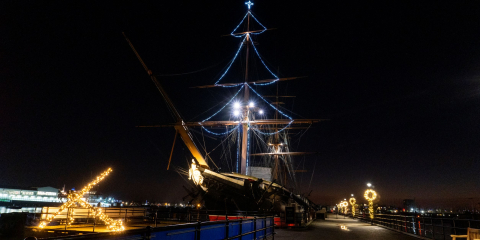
(352, 202)
(194, 174)
(261, 111)
(370, 195)
(249, 4)
(251, 104)
(236, 105)
(236, 113)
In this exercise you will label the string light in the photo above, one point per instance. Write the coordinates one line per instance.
(75, 197)
(239, 26)
(264, 28)
(273, 74)
(248, 145)
(344, 204)
(238, 148)
(249, 4)
(231, 62)
(370, 195)
(206, 119)
(285, 115)
(220, 134)
(352, 201)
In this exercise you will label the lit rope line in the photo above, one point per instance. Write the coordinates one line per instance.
(281, 130)
(285, 115)
(233, 60)
(239, 26)
(264, 28)
(238, 148)
(273, 74)
(248, 147)
(225, 104)
(220, 134)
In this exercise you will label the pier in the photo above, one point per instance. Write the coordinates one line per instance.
(339, 228)
(334, 227)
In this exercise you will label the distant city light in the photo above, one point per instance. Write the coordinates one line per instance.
(369, 184)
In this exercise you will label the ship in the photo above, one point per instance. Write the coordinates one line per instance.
(256, 128)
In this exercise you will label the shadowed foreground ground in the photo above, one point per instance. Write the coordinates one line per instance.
(340, 229)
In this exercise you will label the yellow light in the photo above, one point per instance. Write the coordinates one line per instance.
(352, 202)
(75, 197)
(194, 174)
(370, 195)
(344, 205)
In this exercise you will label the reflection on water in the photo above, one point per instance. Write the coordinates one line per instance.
(24, 209)
(343, 227)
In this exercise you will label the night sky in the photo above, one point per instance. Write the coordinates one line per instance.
(399, 81)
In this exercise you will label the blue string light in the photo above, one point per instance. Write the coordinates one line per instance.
(272, 133)
(233, 60)
(264, 28)
(238, 148)
(249, 4)
(229, 101)
(236, 85)
(239, 26)
(248, 147)
(220, 134)
(273, 74)
(243, 19)
(285, 115)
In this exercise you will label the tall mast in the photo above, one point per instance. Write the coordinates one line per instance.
(245, 127)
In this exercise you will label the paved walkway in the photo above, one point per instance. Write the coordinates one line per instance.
(340, 229)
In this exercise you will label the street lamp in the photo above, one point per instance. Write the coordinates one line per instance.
(370, 195)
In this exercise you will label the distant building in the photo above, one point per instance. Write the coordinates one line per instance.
(31, 196)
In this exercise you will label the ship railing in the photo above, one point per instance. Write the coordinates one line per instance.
(423, 226)
(245, 229)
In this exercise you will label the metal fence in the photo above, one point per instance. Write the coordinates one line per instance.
(428, 227)
(244, 229)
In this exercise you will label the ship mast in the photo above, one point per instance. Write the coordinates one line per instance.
(245, 126)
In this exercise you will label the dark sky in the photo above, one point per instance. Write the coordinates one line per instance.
(398, 80)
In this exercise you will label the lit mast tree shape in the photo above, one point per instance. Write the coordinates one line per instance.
(75, 197)
(352, 201)
(370, 195)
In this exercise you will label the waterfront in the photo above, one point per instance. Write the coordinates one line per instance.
(338, 229)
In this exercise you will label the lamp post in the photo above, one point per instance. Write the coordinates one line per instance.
(352, 201)
(370, 195)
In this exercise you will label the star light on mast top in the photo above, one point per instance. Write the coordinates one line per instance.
(249, 4)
